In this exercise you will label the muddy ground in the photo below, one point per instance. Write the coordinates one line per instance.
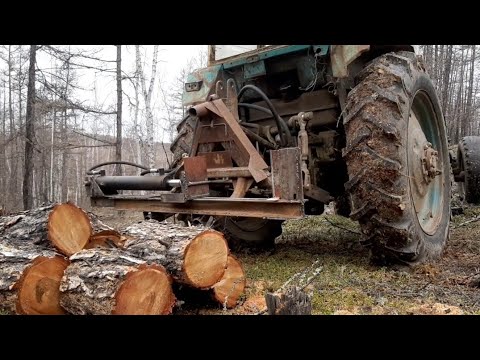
(347, 282)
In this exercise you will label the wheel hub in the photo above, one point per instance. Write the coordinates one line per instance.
(430, 163)
(424, 166)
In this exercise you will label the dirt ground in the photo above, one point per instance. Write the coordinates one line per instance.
(347, 282)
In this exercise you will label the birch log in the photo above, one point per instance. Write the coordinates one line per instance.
(62, 226)
(195, 256)
(109, 281)
(30, 280)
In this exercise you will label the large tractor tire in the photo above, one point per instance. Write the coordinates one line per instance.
(182, 144)
(249, 231)
(468, 167)
(397, 160)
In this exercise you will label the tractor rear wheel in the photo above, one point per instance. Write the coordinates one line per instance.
(468, 167)
(397, 159)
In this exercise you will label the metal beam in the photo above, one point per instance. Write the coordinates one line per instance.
(259, 208)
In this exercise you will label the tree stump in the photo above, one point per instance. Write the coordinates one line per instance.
(293, 301)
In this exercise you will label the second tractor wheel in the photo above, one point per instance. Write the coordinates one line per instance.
(468, 169)
(397, 160)
(254, 232)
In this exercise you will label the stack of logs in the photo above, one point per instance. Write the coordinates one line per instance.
(58, 259)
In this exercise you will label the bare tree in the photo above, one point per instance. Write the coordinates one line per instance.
(172, 98)
(118, 142)
(147, 97)
(29, 133)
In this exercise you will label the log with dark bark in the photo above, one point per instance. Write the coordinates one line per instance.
(232, 285)
(109, 281)
(63, 226)
(195, 256)
(30, 280)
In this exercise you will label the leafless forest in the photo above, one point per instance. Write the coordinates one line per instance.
(53, 124)
(50, 134)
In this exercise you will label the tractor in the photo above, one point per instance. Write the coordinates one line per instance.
(275, 132)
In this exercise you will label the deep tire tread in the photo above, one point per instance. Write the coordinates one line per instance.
(376, 128)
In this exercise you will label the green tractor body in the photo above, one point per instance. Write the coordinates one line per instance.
(276, 132)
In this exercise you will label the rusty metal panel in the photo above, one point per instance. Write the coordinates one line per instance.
(260, 208)
(287, 181)
(218, 159)
(256, 163)
(195, 171)
(173, 197)
(342, 55)
(240, 157)
(229, 172)
(212, 134)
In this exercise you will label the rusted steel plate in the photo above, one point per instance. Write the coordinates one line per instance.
(196, 170)
(286, 174)
(240, 157)
(256, 163)
(229, 172)
(260, 208)
(242, 150)
(218, 159)
(217, 133)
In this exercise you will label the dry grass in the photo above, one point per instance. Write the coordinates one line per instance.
(349, 284)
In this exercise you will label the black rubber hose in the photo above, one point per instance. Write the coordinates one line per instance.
(256, 107)
(116, 163)
(285, 136)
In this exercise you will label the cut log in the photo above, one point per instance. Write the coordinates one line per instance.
(63, 226)
(232, 285)
(103, 235)
(195, 256)
(147, 291)
(106, 238)
(105, 281)
(69, 228)
(38, 289)
(30, 279)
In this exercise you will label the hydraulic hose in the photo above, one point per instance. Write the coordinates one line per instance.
(116, 163)
(285, 136)
(256, 107)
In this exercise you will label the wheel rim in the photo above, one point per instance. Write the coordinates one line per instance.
(461, 184)
(249, 224)
(425, 163)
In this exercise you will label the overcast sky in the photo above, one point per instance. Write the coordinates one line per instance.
(100, 88)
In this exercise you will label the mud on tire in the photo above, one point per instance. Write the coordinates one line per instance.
(182, 143)
(376, 122)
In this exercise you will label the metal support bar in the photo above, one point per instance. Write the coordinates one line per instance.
(259, 208)
(229, 172)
